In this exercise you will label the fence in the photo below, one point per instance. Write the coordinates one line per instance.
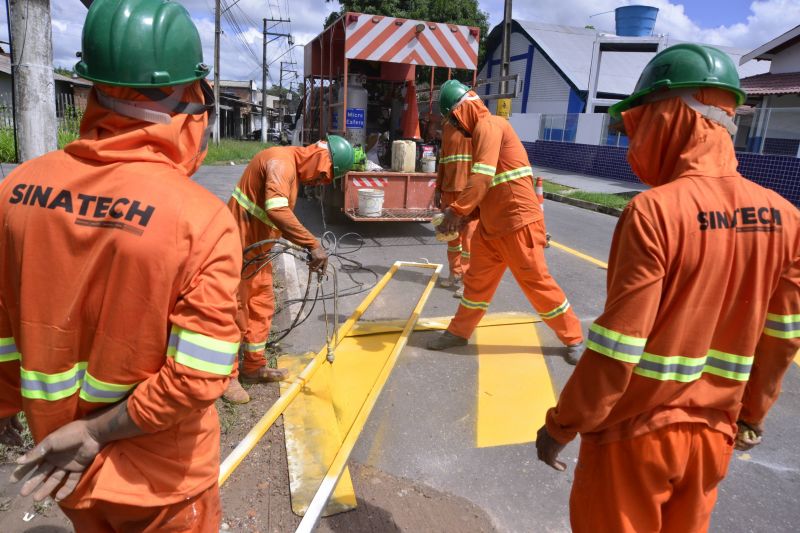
(766, 131)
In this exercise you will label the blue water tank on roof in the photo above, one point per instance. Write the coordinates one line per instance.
(635, 21)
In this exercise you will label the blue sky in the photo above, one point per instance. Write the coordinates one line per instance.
(744, 24)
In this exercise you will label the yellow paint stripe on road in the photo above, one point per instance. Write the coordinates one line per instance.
(797, 358)
(576, 253)
(514, 386)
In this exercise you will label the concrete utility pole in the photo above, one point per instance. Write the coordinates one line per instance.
(265, 70)
(504, 104)
(32, 70)
(217, 32)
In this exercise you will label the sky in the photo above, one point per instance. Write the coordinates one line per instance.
(744, 24)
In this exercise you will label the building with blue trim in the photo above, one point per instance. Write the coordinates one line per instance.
(554, 65)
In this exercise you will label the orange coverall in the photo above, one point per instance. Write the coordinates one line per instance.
(510, 233)
(455, 162)
(118, 281)
(264, 200)
(701, 322)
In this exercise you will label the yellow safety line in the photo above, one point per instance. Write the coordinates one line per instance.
(514, 386)
(797, 358)
(262, 426)
(582, 255)
(339, 463)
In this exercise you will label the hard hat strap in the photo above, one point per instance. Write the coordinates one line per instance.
(712, 113)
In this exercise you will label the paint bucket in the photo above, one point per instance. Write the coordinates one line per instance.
(429, 164)
(370, 202)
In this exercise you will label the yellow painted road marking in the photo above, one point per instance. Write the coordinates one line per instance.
(582, 255)
(313, 437)
(797, 358)
(514, 387)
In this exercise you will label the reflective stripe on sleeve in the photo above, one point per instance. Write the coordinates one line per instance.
(688, 369)
(201, 352)
(615, 345)
(8, 350)
(455, 158)
(464, 254)
(782, 326)
(511, 175)
(480, 168)
(560, 310)
(469, 304)
(250, 206)
(454, 249)
(275, 203)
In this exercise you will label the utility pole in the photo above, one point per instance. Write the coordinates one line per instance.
(504, 104)
(217, 32)
(283, 69)
(35, 118)
(265, 70)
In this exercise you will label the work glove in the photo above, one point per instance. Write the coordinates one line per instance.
(452, 222)
(11, 431)
(748, 435)
(318, 260)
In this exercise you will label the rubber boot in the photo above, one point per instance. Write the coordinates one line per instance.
(573, 353)
(446, 340)
(459, 292)
(264, 375)
(451, 281)
(235, 393)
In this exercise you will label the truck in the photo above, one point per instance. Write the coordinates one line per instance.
(354, 73)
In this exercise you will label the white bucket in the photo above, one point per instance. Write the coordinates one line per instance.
(429, 164)
(370, 202)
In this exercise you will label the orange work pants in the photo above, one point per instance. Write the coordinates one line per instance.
(459, 250)
(523, 252)
(662, 481)
(199, 514)
(258, 298)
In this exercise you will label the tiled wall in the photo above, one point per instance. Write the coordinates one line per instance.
(779, 173)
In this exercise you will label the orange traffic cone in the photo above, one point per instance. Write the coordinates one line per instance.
(540, 195)
(411, 113)
(540, 191)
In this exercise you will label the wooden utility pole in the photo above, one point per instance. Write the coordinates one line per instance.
(217, 32)
(32, 71)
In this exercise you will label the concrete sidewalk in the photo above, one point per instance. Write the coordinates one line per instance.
(587, 183)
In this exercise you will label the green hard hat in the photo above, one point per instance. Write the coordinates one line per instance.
(683, 66)
(140, 43)
(449, 94)
(342, 155)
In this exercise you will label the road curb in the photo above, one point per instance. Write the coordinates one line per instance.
(614, 212)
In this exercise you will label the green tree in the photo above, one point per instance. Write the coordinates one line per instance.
(463, 12)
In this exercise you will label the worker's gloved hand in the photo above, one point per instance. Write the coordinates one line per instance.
(437, 198)
(748, 436)
(319, 260)
(11, 431)
(452, 222)
(58, 461)
(548, 448)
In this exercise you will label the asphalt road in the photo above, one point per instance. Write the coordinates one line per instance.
(423, 426)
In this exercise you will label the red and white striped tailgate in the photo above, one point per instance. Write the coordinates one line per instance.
(396, 40)
(370, 182)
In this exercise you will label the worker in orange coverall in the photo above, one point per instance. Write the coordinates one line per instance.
(263, 206)
(118, 282)
(510, 231)
(702, 318)
(455, 162)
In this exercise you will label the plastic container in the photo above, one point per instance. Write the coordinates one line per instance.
(370, 202)
(428, 164)
(635, 21)
(404, 154)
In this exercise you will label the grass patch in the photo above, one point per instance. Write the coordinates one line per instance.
(554, 188)
(230, 150)
(609, 200)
